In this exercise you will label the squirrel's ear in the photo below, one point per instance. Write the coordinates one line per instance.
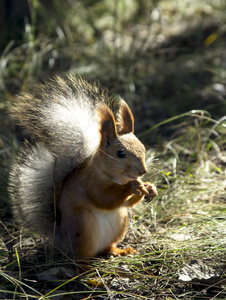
(125, 119)
(107, 124)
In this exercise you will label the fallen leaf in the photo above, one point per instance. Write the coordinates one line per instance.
(196, 270)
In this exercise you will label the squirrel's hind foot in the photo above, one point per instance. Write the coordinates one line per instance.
(121, 252)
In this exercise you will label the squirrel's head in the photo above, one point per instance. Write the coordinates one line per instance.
(122, 155)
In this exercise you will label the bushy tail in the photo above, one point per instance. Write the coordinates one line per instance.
(33, 188)
(62, 115)
(62, 118)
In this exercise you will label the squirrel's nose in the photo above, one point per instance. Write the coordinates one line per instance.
(142, 172)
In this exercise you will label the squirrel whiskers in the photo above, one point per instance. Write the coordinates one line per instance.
(109, 155)
(86, 158)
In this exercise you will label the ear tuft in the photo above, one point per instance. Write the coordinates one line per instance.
(107, 124)
(125, 119)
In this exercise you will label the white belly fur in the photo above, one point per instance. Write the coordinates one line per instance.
(109, 225)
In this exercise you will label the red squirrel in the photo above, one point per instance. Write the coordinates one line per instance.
(82, 171)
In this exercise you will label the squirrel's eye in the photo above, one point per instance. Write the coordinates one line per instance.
(121, 154)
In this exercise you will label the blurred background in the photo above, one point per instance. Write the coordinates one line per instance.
(164, 57)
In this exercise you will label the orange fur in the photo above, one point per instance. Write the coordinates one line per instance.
(93, 204)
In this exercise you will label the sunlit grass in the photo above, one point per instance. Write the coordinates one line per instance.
(187, 221)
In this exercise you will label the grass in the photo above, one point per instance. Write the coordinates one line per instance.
(174, 80)
(187, 221)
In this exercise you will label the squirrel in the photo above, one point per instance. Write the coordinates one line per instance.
(75, 179)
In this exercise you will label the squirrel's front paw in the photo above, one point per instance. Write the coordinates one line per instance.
(138, 188)
(152, 191)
